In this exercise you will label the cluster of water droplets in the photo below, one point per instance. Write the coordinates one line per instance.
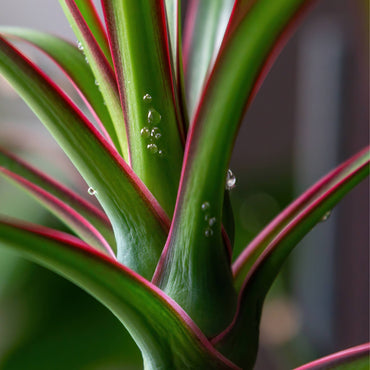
(82, 49)
(210, 220)
(230, 180)
(97, 83)
(152, 133)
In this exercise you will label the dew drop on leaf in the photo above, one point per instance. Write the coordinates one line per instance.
(145, 132)
(212, 221)
(326, 216)
(97, 83)
(147, 98)
(230, 180)
(155, 133)
(205, 206)
(208, 232)
(161, 153)
(154, 116)
(152, 148)
(91, 191)
(79, 45)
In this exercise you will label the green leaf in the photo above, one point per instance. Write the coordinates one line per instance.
(72, 62)
(21, 174)
(205, 25)
(243, 332)
(137, 32)
(256, 247)
(173, 11)
(173, 19)
(166, 336)
(104, 74)
(140, 235)
(93, 21)
(190, 246)
(93, 214)
(355, 358)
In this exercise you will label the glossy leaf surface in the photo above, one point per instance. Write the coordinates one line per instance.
(88, 211)
(72, 62)
(165, 334)
(193, 241)
(243, 332)
(140, 235)
(205, 25)
(137, 32)
(104, 74)
(247, 258)
(93, 21)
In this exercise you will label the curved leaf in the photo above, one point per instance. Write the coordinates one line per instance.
(73, 64)
(94, 215)
(166, 336)
(90, 15)
(247, 258)
(102, 70)
(138, 37)
(192, 243)
(205, 25)
(355, 358)
(64, 212)
(140, 235)
(243, 331)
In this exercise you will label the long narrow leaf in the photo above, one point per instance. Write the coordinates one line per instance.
(63, 211)
(355, 358)
(173, 10)
(205, 25)
(245, 261)
(166, 336)
(243, 331)
(138, 36)
(140, 235)
(194, 240)
(73, 64)
(91, 213)
(90, 15)
(102, 70)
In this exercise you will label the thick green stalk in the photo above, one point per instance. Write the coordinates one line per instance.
(140, 51)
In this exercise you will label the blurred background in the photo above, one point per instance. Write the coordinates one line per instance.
(310, 115)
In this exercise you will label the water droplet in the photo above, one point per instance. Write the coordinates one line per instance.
(97, 83)
(212, 221)
(147, 98)
(161, 153)
(155, 133)
(205, 206)
(79, 45)
(152, 148)
(208, 232)
(145, 132)
(154, 116)
(91, 191)
(86, 60)
(230, 180)
(326, 216)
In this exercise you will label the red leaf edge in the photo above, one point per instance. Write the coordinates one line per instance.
(337, 358)
(65, 208)
(134, 179)
(72, 242)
